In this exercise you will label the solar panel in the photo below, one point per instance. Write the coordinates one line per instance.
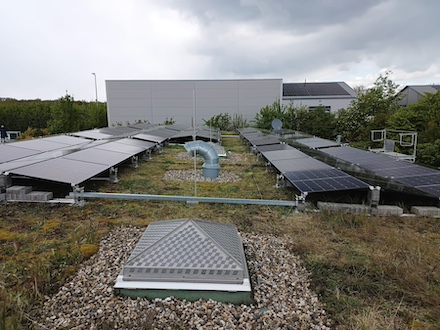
(328, 184)
(421, 180)
(274, 147)
(10, 152)
(412, 175)
(66, 139)
(118, 130)
(313, 89)
(138, 143)
(283, 154)
(9, 166)
(121, 148)
(247, 130)
(263, 140)
(99, 156)
(93, 134)
(433, 190)
(61, 170)
(40, 145)
(317, 143)
(142, 126)
(150, 137)
(161, 131)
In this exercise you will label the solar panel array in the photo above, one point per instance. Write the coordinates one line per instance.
(313, 89)
(308, 174)
(422, 178)
(76, 158)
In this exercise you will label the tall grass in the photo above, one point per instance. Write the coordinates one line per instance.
(375, 273)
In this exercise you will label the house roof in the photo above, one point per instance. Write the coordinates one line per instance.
(422, 89)
(325, 89)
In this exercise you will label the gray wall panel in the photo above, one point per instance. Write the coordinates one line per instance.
(157, 100)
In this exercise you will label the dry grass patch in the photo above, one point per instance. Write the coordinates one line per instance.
(373, 273)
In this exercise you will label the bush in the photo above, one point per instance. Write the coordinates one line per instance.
(429, 153)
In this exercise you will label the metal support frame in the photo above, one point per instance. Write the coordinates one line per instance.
(78, 199)
(281, 183)
(113, 175)
(373, 199)
(135, 161)
(301, 201)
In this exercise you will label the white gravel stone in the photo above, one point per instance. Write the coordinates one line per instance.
(188, 176)
(282, 297)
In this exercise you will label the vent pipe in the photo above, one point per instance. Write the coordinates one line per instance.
(211, 167)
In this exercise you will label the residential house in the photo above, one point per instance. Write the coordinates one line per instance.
(331, 95)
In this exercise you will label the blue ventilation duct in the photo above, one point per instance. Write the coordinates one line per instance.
(211, 167)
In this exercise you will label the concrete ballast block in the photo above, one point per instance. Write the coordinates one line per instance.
(426, 211)
(343, 207)
(389, 210)
(39, 196)
(18, 190)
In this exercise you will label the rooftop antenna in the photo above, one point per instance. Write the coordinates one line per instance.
(194, 138)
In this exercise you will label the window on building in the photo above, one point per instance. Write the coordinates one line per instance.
(326, 107)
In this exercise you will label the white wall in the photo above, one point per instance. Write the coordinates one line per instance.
(158, 100)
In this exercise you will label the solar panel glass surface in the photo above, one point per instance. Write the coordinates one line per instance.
(274, 147)
(62, 170)
(39, 144)
(328, 184)
(98, 156)
(92, 134)
(10, 152)
(150, 137)
(315, 142)
(146, 145)
(66, 139)
(265, 140)
(121, 148)
(283, 154)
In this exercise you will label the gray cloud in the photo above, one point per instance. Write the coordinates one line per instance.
(50, 47)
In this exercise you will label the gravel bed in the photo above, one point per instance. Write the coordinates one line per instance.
(231, 158)
(282, 297)
(188, 176)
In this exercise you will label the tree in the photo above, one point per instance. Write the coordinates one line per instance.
(64, 117)
(423, 117)
(370, 110)
(317, 122)
(264, 118)
(221, 121)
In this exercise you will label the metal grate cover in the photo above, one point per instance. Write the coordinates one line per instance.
(187, 251)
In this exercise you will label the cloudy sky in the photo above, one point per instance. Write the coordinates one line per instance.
(48, 47)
